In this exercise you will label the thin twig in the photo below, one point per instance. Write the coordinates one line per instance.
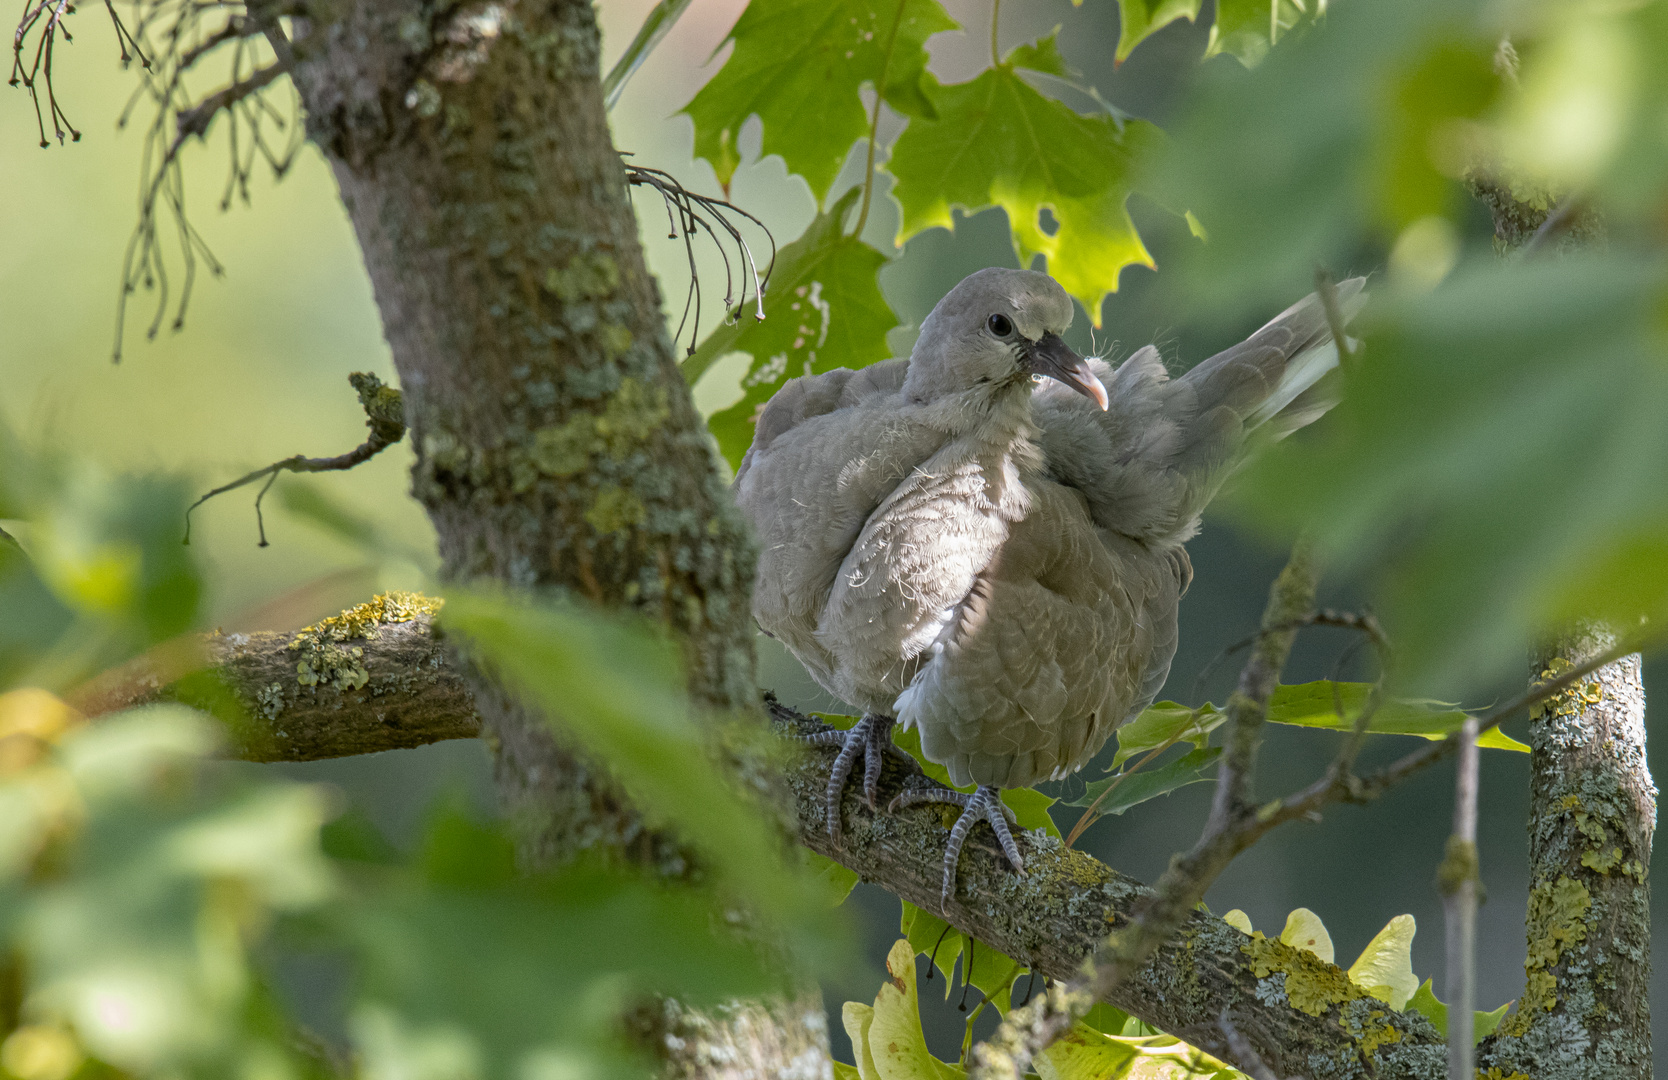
(1458, 880)
(383, 414)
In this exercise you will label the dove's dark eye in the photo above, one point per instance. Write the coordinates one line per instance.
(999, 325)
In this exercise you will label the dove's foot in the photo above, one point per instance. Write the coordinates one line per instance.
(870, 737)
(985, 804)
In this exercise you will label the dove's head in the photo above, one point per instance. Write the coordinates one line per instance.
(991, 334)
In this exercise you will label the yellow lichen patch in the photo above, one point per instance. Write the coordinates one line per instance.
(1601, 860)
(1500, 1074)
(1312, 985)
(1375, 1032)
(1557, 914)
(325, 658)
(1569, 701)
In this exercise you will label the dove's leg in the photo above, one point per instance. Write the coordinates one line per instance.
(985, 804)
(871, 737)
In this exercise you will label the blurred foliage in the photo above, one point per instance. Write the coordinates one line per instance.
(1498, 464)
(149, 894)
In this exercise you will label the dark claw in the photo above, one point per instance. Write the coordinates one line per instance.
(871, 737)
(986, 805)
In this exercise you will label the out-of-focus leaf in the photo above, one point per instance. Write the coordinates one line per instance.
(354, 837)
(618, 692)
(1165, 724)
(1425, 1003)
(1137, 788)
(531, 964)
(823, 310)
(1304, 930)
(798, 65)
(1331, 142)
(1315, 705)
(1139, 19)
(1498, 453)
(35, 618)
(996, 141)
(1247, 29)
(839, 880)
(1385, 967)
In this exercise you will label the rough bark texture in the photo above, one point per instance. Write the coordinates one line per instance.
(557, 447)
(1302, 1017)
(1585, 1012)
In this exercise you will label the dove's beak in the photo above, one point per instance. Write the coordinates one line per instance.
(1054, 358)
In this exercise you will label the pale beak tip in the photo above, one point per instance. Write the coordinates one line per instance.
(1098, 392)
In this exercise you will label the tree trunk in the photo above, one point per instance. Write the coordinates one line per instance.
(1586, 1010)
(557, 447)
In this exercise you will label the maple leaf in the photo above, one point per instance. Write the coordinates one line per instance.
(798, 66)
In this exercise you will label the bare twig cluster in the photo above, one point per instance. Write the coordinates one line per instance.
(1238, 819)
(687, 216)
(175, 41)
(384, 415)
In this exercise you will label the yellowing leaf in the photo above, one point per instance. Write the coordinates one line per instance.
(996, 141)
(823, 310)
(1385, 967)
(1239, 920)
(856, 1017)
(895, 1039)
(1086, 1054)
(798, 65)
(1304, 930)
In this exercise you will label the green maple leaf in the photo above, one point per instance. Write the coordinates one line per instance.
(996, 141)
(798, 65)
(823, 310)
(1138, 19)
(1247, 29)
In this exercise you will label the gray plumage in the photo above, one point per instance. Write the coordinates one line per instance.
(995, 562)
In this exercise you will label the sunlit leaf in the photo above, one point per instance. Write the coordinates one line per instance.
(1304, 930)
(1086, 1054)
(996, 141)
(1166, 723)
(1136, 788)
(895, 1039)
(798, 65)
(1425, 1003)
(1317, 704)
(823, 310)
(1238, 919)
(857, 1018)
(1385, 967)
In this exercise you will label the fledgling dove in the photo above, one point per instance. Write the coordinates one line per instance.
(947, 544)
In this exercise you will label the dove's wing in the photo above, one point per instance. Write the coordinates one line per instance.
(1065, 634)
(1156, 456)
(827, 450)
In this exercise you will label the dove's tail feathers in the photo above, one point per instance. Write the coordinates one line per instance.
(1149, 464)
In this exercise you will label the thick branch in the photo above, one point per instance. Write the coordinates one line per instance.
(1052, 918)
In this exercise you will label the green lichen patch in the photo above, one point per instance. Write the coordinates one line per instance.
(585, 276)
(615, 509)
(1312, 985)
(326, 658)
(633, 414)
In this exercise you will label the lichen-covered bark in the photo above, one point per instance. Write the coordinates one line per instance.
(1585, 1011)
(1302, 1017)
(557, 446)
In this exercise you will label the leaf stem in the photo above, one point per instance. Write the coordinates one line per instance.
(874, 122)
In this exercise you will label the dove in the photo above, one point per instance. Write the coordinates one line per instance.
(985, 541)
